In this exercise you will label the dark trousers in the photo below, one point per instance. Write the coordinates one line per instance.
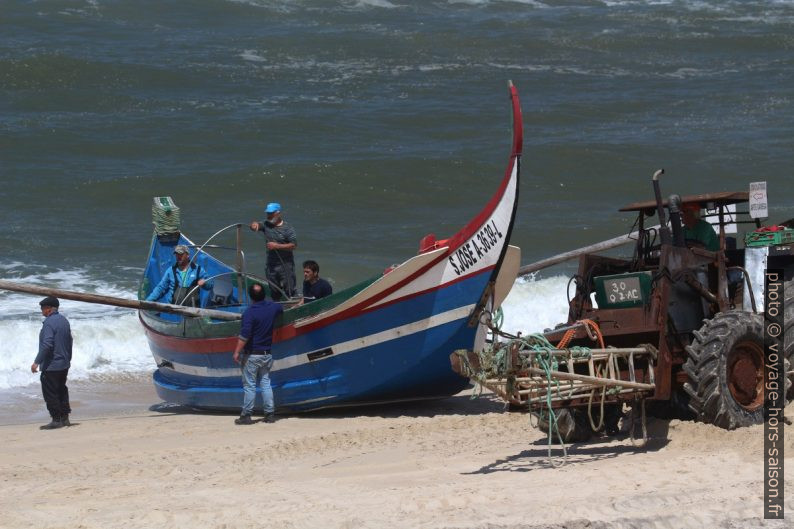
(284, 277)
(56, 394)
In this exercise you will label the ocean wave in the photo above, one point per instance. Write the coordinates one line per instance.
(108, 341)
(103, 347)
(535, 304)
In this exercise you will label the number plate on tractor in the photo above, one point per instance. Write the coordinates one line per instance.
(623, 290)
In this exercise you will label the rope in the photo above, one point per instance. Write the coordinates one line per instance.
(165, 216)
(594, 333)
(589, 324)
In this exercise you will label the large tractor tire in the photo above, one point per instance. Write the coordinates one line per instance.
(788, 331)
(725, 366)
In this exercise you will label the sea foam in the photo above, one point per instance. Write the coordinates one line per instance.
(108, 341)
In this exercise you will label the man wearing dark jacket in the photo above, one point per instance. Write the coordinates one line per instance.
(54, 360)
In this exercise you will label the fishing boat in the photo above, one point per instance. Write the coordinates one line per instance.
(385, 339)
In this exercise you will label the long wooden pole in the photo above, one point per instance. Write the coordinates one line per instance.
(562, 257)
(118, 302)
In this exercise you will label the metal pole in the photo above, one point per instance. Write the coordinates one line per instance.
(566, 256)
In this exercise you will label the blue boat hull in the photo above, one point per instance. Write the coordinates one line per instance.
(403, 363)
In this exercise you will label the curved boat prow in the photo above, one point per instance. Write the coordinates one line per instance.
(509, 181)
(388, 339)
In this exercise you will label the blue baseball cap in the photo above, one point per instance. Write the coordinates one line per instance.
(273, 207)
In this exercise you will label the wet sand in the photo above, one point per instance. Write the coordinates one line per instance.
(90, 399)
(453, 463)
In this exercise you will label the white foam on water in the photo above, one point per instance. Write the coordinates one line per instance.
(535, 304)
(252, 55)
(376, 3)
(108, 341)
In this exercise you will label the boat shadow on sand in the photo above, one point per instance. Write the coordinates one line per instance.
(598, 449)
(460, 404)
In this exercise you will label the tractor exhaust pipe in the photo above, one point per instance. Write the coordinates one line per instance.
(664, 231)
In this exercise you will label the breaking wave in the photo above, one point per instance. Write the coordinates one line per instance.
(108, 341)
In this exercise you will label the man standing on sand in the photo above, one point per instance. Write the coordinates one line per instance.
(54, 360)
(281, 243)
(254, 342)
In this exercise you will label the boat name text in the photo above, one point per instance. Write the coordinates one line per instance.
(475, 248)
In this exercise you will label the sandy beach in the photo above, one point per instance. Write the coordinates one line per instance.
(453, 463)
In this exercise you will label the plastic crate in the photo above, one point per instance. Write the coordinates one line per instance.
(769, 238)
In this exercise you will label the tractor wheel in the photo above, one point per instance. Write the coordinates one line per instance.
(725, 366)
(788, 331)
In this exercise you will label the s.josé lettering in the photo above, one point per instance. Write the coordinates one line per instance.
(475, 248)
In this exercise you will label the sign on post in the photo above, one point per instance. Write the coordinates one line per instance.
(759, 208)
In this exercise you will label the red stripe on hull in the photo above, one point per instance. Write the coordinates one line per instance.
(206, 345)
(337, 317)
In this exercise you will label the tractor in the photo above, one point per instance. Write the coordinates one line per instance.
(676, 323)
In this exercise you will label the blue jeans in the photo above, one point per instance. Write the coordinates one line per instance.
(256, 372)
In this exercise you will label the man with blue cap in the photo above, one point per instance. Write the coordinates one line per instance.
(281, 243)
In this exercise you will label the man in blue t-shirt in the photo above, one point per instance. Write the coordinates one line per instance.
(253, 353)
(314, 287)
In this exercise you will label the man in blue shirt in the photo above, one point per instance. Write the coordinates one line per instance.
(54, 360)
(254, 343)
(178, 284)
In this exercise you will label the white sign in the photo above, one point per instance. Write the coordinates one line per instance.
(728, 216)
(758, 205)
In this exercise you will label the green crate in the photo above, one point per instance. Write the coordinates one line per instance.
(623, 290)
(769, 238)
